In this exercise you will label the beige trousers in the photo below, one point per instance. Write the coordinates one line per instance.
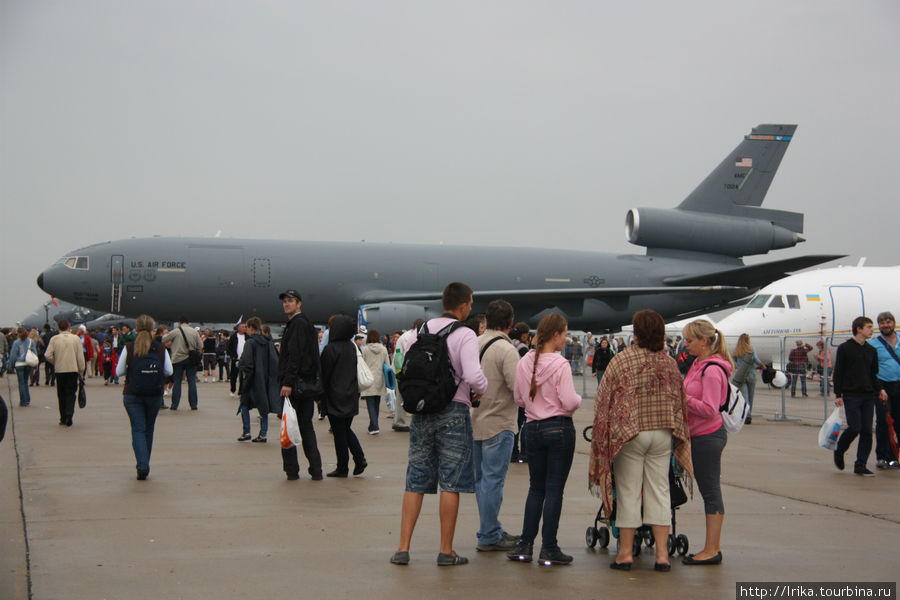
(643, 463)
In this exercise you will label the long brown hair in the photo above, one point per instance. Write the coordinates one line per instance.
(549, 326)
(743, 346)
(144, 326)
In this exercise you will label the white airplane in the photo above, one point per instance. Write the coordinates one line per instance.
(810, 306)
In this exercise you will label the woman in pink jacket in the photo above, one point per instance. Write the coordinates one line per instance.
(544, 388)
(706, 385)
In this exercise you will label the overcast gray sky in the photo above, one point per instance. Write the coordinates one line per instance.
(518, 122)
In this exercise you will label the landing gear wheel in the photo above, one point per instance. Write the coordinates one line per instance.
(681, 542)
(671, 545)
(590, 537)
(604, 537)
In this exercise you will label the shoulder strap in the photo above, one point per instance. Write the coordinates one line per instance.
(486, 346)
(129, 348)
(889, 349)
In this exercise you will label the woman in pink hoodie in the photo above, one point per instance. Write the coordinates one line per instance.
(706, 385)
(544, 388)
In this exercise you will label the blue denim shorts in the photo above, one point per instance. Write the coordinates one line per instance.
(440, 451)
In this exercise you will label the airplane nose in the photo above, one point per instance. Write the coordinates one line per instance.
(40, 281)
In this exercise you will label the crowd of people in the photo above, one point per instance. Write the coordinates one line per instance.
(512, 399)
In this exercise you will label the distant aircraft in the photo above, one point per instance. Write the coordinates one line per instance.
(692, 264)
(819, 304)
(51, 311)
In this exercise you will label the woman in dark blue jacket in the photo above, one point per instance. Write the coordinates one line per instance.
(342, 395)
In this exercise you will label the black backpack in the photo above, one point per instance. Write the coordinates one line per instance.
(145, 373)
(426, 380)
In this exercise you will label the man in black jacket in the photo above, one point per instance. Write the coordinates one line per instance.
(298, 365)
(856, 385)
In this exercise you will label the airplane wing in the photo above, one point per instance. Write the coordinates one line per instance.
(755, 276)
(547, 293)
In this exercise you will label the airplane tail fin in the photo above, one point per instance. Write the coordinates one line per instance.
(738, 186)
(723, 215)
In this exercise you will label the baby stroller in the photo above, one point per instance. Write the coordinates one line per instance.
(605, 521)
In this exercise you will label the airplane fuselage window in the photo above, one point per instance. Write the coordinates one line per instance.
(758, 301)
(793, 301)
(777, 302)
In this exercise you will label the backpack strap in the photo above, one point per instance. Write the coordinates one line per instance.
(486, 346)
(889, 349)
(723, 406)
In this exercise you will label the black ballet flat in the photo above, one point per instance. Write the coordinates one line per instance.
(620, 566)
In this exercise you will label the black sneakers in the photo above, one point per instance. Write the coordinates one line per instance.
(553, 556)
(839, 460)
(863, 472)
(521, 553)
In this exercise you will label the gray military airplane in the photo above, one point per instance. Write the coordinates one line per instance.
(692, 265)
(51, 311)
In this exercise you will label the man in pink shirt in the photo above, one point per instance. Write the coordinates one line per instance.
(440, 444)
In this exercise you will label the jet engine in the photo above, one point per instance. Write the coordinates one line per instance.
(394, 316)
(705, 232)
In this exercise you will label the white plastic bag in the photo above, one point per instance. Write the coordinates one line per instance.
(290, 427)
(390, 399)
(831, 429)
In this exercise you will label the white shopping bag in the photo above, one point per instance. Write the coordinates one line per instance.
(831, 429)
(290, 427)
(390, 399)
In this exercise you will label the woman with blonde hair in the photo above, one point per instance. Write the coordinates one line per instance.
(706, 386)
(746, 361)
(145, 365)
(545, 389)
(640, 410)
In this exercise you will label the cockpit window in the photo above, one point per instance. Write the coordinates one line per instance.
(80, 263)
(758, 301)
(793, 301)
(777, 302)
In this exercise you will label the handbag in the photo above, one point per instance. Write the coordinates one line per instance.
(363, 373)
(31, 358)
(82, 396)
(194, 356)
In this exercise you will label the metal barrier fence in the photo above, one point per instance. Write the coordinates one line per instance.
(774, 351)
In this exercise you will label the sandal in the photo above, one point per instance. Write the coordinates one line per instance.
(449, 560)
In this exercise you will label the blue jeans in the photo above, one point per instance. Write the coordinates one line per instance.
(23, 374)
(372, 404)
(491, 458)
(263, 421)
(551, 446)
(142, 411)
(179, 369)
(802, 379)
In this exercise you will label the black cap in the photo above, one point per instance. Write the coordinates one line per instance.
(290, 294)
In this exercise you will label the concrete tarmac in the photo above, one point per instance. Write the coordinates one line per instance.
(218, 519)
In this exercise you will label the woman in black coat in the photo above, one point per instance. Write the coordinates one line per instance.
(259, 382)
(342, 395)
